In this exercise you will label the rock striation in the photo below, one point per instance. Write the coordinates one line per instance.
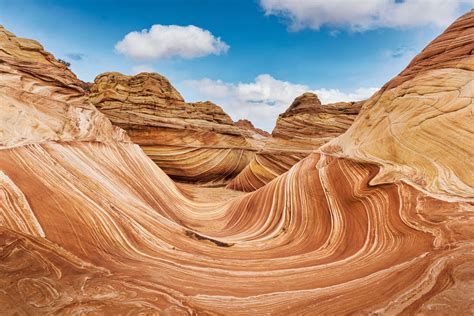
(418, 127)
(42, 100)
(191, 142)
(299, 131)
(93, 226)
(247, 125)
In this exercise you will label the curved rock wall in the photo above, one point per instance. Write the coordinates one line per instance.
(123, 239)
(418, 128)
(89, 226)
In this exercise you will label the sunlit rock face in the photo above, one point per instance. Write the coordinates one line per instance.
(299, 131)
(92, 226)
(42, 100)
(419, 128)
(191, 142)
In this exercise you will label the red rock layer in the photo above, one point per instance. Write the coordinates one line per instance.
(191, 142)
(300, 130)
(97, 227)
(123, 239)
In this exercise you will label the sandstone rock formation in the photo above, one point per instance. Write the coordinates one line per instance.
(419, 126)
(42, 100)
(299, 131)
(191, 142)
(93, 226)
(247, 125)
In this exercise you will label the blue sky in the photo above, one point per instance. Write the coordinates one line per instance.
(262, 53)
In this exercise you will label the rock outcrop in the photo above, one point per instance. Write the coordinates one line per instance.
(419, 126)
(299, 131)
(91, 225)
(191, 142)
(247, 125)
(42, 99)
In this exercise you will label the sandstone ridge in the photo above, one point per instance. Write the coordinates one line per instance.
(184, 139)
(299, 131)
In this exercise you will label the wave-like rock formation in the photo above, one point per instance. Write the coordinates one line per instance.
(93, 226)
(299, 131)
(419, 127)
(191, 142)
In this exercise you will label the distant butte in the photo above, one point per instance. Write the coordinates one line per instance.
(299, 131)
(306, 102)
(246, 124)
(184, 139)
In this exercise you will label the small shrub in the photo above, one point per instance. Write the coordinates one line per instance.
(65, 63)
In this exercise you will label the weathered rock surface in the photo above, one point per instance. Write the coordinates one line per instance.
(192, 142)
(299, 131)
(247, 125)
(419, 126)
(42, 100)
(96, 227)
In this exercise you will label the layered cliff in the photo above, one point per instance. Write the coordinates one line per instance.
(299, 131)
(191, 142)
(92, 225)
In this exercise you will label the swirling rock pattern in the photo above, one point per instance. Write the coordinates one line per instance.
(418, 128)
(143, 246)
(300, 130)
(42, 100)
(97, 227)
(191, 142)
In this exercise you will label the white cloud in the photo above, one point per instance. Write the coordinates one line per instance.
(262, 100)
(142, 68)
(165, 41)
(362, 15)
(336, 95)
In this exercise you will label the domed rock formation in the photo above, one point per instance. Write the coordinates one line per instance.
(299, 131)
(307, 102)
(309, 121)
(191, 142)
(419, 126)
(247, 125)
(93, 226)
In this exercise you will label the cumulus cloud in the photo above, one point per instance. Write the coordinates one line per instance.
(165, 41)
(362, 15)
(265, 98)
